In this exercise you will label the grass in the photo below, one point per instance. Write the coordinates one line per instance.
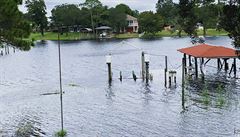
(61, 133)
(210, 32)
(206, 97)
(220, 99)
(126, 35)
(54, 36)
(82, 36)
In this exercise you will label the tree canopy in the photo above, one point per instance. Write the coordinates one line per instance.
(187, 17)
(230, 21)
(36, 12)
(150, 22)
(13, 27)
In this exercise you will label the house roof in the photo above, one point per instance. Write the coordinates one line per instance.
(209, 51)
(129, 17)
(103, 28)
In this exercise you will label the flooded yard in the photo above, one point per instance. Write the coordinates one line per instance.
(93, 108)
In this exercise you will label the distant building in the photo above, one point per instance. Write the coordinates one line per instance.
(133, 25)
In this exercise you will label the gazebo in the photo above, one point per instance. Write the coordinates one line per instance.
(103, 31)
(206, 51)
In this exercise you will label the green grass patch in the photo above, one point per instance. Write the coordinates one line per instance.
(126, 35)
(206, 97)
(54, 36)
(61, 133)
(84, 36)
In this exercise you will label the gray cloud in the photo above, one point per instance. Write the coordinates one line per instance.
(140, 5)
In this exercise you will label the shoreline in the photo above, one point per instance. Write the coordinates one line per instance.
(71, 36)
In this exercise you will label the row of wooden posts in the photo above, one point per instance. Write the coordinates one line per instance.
(6, 50)
(145, 68)
(145, 74)
(220, 65)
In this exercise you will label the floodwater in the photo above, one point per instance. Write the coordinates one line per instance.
(29, 81)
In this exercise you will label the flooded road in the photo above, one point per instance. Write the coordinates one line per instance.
(30, 106)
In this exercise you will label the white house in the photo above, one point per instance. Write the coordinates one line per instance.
(133, 25)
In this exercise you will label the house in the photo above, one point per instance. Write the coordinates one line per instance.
(132, 24)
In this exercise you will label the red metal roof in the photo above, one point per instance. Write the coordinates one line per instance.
(209, 51)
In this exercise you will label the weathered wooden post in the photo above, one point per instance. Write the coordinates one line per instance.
(2, 52)
(234, 67)
(134, 76)
(143, 65)
(109, 64)
(121, 76)
(13, 49)
(189, 60)
(196, 67)
(183, 84)
(165, 72)
(147, 60)
(225, 65)
(185, 63)
(218, 64)
(170, 82)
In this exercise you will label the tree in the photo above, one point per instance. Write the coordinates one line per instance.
(91, 4)
(36, 11)
(168, 10)
(187, 17)
(13, 27)
(207, 14)
(230, 20)
(150, 22)
(118, 22)
(66, 15)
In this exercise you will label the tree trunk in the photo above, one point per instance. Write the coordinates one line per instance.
(204, 31)
(92, 23)
(180, 33)
(42, 30)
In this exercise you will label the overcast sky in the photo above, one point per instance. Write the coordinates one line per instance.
(140, 5)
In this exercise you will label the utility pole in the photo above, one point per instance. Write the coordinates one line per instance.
(60, 79)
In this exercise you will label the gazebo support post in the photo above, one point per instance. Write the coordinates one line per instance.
(185, 63)
(225, 65)
(201, 68)
(234, 67)
(165, 72)
(190, 62)
(183, 84)
(196, 67)
(218, 64)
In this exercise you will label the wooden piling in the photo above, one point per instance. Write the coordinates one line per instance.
(143, 65)
(147, 71)
(234, 67)
(218, 64)
(183, 84)
(189, 60)
(225, 65)
(170, 82)
(109, 72)
(185, 63)
(134, 76)
(120, 78)
(196, 67)
(165, 72)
